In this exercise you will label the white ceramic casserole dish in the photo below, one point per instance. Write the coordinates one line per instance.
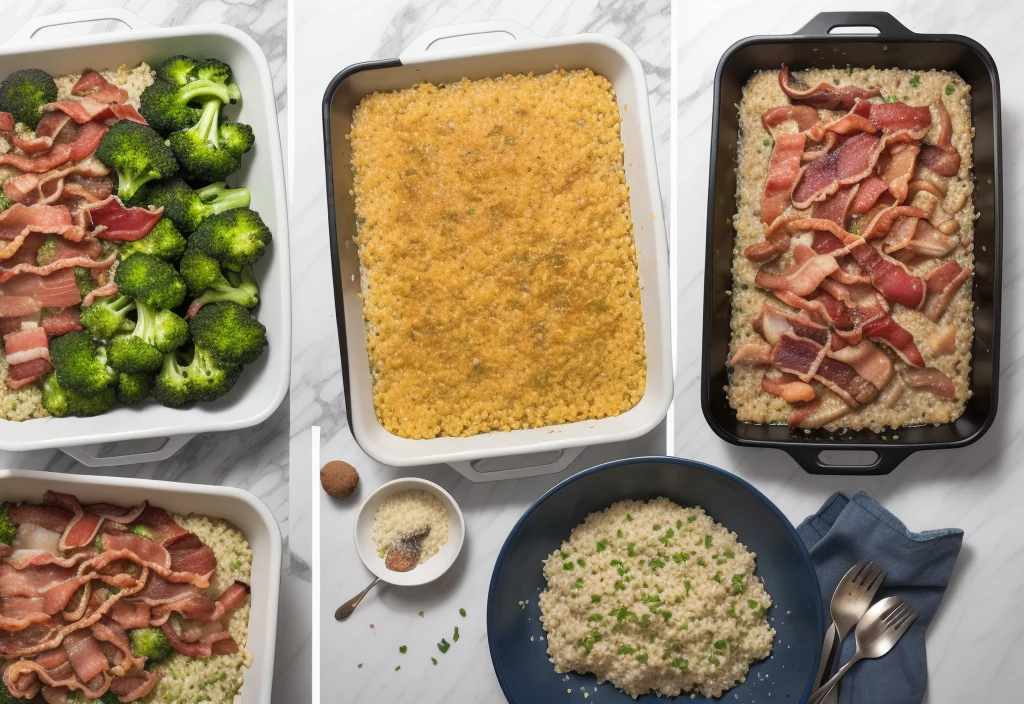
(242, 509)
(477, 51)
(263, 384)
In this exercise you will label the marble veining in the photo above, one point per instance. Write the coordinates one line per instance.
(325, 45)
(978, 635)
(255, 459)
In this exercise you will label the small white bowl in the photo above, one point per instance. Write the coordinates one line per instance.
(434, 567)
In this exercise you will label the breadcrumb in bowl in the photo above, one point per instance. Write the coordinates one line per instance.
(497, 256)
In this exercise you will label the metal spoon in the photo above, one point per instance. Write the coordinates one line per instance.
(880, 629)
(346, 609)
(851, 600)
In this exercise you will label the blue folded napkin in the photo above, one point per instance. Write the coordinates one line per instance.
(845, 531)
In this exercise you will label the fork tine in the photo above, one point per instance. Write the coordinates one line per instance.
(867, 576)
(896, 615)
(888, 615)
(876, 583)
(906, 620)
(859, 569)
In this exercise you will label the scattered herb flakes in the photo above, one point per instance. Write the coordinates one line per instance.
(433, 660)
(891, 99)
(602, 544)
(421, 614)
(767, 141)
(629, 517)
(950, 89)
(403, 649)
(692, 518)
(360, 666)
(455, 636)
(462, 613)
(915, 81)
(443, 646)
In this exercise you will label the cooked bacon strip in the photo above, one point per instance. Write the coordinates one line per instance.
(144, 549)
(115, 222)
(881, 223)
(82, 528)
(783, 173)
(943, 283)
(776, 241)
(868, 361)
(108, 289)
(854, 121)
(891, 117)
(900, 168)
(825, 96)
(26, 345)
(845, 382)
(57, 290)
(7, 122)
(48, 187)
(100, 561)
(59, 154)
(18, 613)
(84, 262)
(929, 241)
(109, 631)
(48, 517)
(48, 128)
(85, 655)
(788, 387)
(131, 688)
(836, 206)
(160, 592)
(943, 158)
(755, 352)
(18, 222)
(165, 529)
(98, 88)
(775, 321)
(867, 194)
(220, 643)
(805, 117)
(190, 555)
(130, 615)
(943, 342)
(931, 380)
(901, 234)
(62, 322)
(32, 580)
(19, 375)
(117, 514)
(848, 163)
(919, 185)
(89, 109)
(886, 330)
(802, 281)
(812, 415)
(797, 355)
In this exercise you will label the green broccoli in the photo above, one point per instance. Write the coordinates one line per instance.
(150, 643)
(236, 238)
(214, 70)
(46, 252)
(7, 528)
(134, 387)
(156, 332)
(150, 281)
(163, 241)
(138, 154)
(169, 103)
(202, 379)
(81, 364)
(212, 150)
(178, 70)
(229, 333)
(60, 402)
(84, 280)
(6, 697)
(5, 202)
(187, 208)
(209, 284)
(108, 316)
(25, 92)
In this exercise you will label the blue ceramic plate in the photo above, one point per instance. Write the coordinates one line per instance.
(521, 664)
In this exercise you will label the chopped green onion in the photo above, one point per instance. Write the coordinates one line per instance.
(692, 518)
(752, 604)
(657, 526)
(433, 660)
(567, 566)
(581, 562)
(613, 563)
(707, 541)
(700, 561)
(720, 645)
(680, 664)
(689, 587)
(421, 614)
(443, 646)
(620, 586)
(712, 659)
(595, 617)
(629, 517)
(618, 533)
(729, 553)
(731, 613)
(915, 81)
(455, 637)
(679, 524)
(402, 649)
(626, 650)
(718, 577)
(631, 550)
(641, 658)
(891, 99)
(595, 598)
(950, 89)
(397, 668)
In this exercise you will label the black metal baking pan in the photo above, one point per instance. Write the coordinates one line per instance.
(814, 46)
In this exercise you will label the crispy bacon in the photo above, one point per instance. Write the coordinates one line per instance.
(899, 168)
(850, 162)
(890, 277)
(929, 241)
(836, 206)
(804, 280)
(83, 526)
(113, 221)
(943, 158)
(130, 688)
(788, 387)
(870, 189)
(931, 380)
(845, 382)
(879, 225)
(824, 96)
(776, 241)
(108, 289)
(854, 121)
(886, 330)
(754, 352)
(805, 117)
(783, 173)
(943, 283)
(89, 109)
(868, 361)
(56, 265)
(59, 154)
(48, 128)
(891, 117)
(98, 88)
(797, 355)
(117, 514)
(812, 415)
(62, 321)
(26, 345)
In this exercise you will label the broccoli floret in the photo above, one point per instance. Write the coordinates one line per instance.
(187, 208)
(132, 388)
(80, 364)
(84, 280)
(178, 70)
(237, 288)
(235, 238)
(163, 241)
(213, 70)
(108, 316)
(46, 252)
(229, 333)
(202, 379)
(7, 528)
(150, 281)
(150, 643)
(25, 92)
(138, 154)
(156, 333)
(60, 402)
(169, 108)
(210, 150)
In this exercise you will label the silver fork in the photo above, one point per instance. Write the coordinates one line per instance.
(880, 629)
(850, 602)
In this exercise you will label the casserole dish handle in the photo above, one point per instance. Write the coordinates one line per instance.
(886, 460)
(34, 24)
(824, 22)
(465, 39)
(83, 453)
(469, 469)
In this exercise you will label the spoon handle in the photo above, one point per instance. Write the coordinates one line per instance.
(823, 691)
(346, 609)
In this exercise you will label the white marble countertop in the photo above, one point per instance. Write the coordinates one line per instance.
(977, 639)
(326, 42)
(255, 459)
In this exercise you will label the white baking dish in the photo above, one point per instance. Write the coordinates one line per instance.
(242, 509)
(263, 384)
(477, 51)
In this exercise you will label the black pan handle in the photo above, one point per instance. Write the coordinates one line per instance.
(886, 461)
(824, 22)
